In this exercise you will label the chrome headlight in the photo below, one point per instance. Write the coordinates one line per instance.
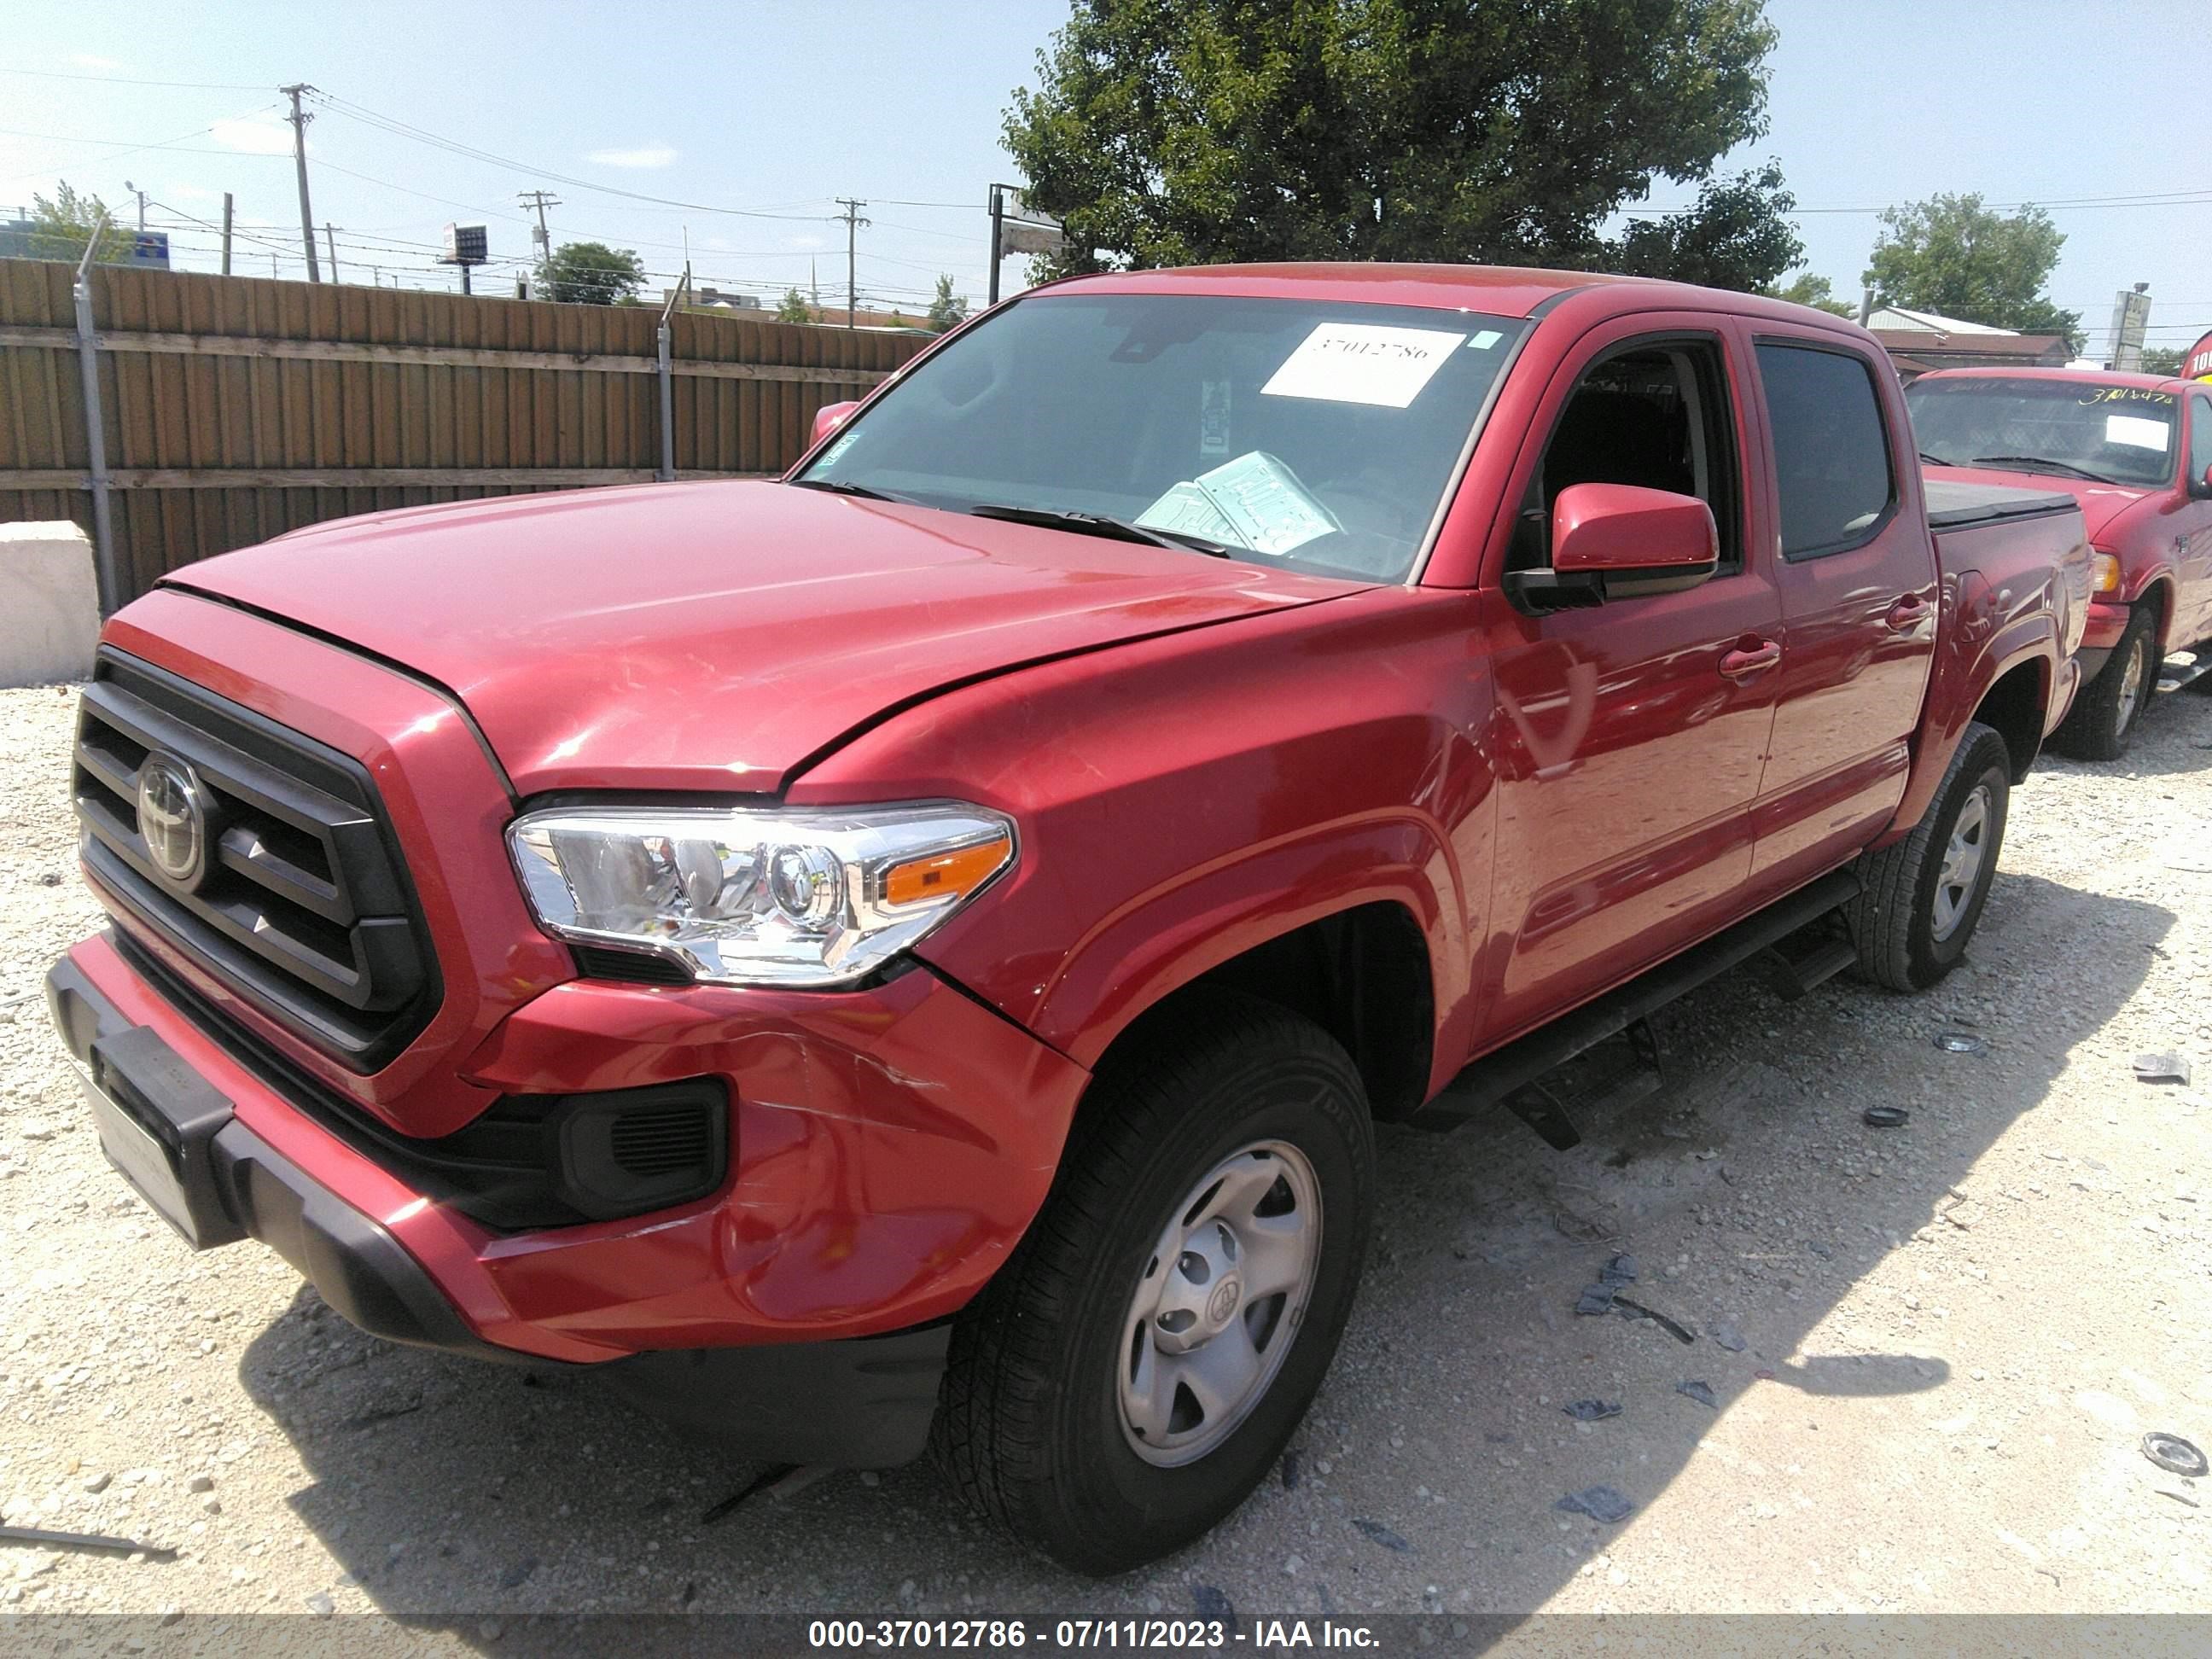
(758, 896)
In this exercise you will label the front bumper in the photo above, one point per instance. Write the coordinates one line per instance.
(2108, 620)
(800, 1313)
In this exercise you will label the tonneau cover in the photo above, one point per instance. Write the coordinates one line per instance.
(1952, 503)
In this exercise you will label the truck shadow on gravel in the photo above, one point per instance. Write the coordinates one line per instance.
(1751, 1192)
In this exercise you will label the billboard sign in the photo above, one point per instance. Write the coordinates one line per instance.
(465, 245)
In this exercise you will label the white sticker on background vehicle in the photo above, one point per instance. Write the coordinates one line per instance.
(1362, 363)
(2136, 432)
(1484, 340)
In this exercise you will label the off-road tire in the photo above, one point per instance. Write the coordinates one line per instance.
(1892, 921)
(1029, 1428)
(2095, 729)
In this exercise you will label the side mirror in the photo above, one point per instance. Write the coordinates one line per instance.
(2201, 488)
(830, 417)
(1612, 541)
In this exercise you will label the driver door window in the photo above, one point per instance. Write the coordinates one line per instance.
(1654, 414)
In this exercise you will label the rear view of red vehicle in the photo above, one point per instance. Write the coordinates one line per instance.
(2136, 450)
(911, 956)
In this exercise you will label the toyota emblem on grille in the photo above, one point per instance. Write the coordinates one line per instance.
(173, 818)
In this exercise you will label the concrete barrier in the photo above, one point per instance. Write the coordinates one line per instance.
(49, 603)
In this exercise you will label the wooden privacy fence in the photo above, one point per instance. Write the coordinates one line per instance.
(232, 408)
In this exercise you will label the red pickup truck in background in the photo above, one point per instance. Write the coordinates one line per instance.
(911, 954)
(2136, 450)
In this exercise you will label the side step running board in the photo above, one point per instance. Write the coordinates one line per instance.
(2182, 666)
(1793, 977)
(1504, 1072)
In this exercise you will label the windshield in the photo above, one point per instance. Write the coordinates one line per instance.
(2113, 433)
(1308, 434)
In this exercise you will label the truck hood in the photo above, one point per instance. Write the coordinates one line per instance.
(2100, 504)
(717, 635)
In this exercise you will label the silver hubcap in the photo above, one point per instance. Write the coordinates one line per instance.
(2131, 683)
(1219, 1303)
(1962, 862)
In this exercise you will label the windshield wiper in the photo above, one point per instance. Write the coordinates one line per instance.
(1926, 459)
(1098, 524)
(2067, 468)
(839, 487)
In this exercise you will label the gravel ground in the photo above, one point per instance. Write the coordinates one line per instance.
(1931, 1351)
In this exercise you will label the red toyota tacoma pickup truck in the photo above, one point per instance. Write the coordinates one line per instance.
(2136, 450)
(912, 953)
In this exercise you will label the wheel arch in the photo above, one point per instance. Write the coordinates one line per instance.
(1362, 974)
(2014, 705)
(2158, 593)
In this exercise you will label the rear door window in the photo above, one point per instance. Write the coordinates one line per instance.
(1833, 467)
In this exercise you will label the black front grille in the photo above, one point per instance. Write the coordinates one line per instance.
(301, 906)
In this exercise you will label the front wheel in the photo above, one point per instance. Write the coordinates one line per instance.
(2104, 716)
(1136, 1368)
(1920, 899)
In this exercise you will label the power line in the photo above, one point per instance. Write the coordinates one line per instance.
(402, 129)
(133, 149)
(2187, 197)
(132, 81)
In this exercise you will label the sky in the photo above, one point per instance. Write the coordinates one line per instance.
(748, 122)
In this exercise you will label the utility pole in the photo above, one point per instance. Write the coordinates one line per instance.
(998, 228)
(541, 239)
(299, 161)
(141, 195)
(227, 206)
(852, 223)
(332, 236)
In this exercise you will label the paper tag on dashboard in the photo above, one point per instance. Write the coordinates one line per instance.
(1362, 363)
(2136, 432)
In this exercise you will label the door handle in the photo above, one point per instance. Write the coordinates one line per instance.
(1908, 613)
(1741, 664)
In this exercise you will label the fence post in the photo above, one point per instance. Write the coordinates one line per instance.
(95, 434)
(666, 472)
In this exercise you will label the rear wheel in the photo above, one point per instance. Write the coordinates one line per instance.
(2104, 715)
(1920, 900)
(1135, 1369)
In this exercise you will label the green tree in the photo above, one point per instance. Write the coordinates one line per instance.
(1807, 289)
(1737, 236)
(590, 274)
(947, 310)
(1175, 132)
(794, 308)
(61, 226)
(2162, 360)
(1951, 255)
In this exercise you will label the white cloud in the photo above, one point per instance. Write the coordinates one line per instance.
(649, 155)
(93, 60)
(263, 137)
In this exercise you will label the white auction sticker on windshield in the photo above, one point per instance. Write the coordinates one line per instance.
(2136, 432)
(1362, 363)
